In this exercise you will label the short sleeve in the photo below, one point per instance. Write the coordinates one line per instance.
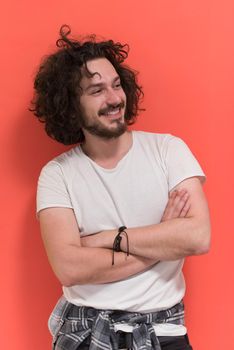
(52, 188)
(180, 163)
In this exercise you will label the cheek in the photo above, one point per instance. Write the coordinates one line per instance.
(89, 106)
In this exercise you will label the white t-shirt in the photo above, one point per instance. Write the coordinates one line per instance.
(133, 194)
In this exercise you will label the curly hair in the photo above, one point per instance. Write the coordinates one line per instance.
(57, 84)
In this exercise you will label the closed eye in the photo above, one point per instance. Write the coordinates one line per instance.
(118, 85)
(96, 92)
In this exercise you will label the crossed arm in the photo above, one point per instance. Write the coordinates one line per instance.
(184, 230)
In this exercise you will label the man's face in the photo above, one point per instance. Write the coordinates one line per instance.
(103, 100)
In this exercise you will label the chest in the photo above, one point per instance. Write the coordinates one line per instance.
(133, 195)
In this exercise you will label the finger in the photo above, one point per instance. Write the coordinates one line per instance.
(172, 196)
(181, 192)
(176, 201)
(185, 210)
(177, 195)
(174, 205)
(179, 202)
(173, 193)
(169, 206)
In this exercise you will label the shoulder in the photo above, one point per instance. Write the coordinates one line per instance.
(171, 149)
(160, 141)
(160, 137)
(62, 163)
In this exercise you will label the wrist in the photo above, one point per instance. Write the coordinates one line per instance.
(117, 242)
(108, 238)
(104, 239)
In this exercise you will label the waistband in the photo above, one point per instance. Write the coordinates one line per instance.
(174, 315)
(73, 324)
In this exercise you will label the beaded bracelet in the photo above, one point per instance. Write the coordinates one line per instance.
(117, 242)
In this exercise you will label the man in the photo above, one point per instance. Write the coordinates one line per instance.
(120, 211)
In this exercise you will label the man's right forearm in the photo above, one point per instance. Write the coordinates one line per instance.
(76, 262)
(94, 266)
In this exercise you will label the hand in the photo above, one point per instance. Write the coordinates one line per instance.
(177, 206)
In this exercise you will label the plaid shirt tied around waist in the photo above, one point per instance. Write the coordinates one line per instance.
(70, 325)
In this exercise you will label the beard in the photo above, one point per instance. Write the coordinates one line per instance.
(97, 128)
(104, 132)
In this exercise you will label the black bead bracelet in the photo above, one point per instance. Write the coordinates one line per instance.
(117, 242)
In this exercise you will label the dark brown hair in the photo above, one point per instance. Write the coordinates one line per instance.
(57, 89)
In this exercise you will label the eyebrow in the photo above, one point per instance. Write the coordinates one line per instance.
(91, 86)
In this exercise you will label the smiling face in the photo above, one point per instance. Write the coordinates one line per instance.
(102, 101)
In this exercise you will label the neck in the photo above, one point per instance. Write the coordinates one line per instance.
(107, 150)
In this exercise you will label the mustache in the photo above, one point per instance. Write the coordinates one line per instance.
(111, 108)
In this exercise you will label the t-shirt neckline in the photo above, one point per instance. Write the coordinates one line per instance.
(120, 162)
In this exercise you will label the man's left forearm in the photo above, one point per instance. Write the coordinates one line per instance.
(169, 240)
(179, 234)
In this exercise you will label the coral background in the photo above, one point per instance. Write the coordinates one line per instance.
(184, 51)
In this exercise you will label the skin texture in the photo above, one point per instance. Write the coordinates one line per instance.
(103, 101)
(68, 258)
(172, 239)
(184, 229)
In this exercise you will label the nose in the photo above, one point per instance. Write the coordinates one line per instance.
(113, 97)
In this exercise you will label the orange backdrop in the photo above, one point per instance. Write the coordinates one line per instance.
(184, 52)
